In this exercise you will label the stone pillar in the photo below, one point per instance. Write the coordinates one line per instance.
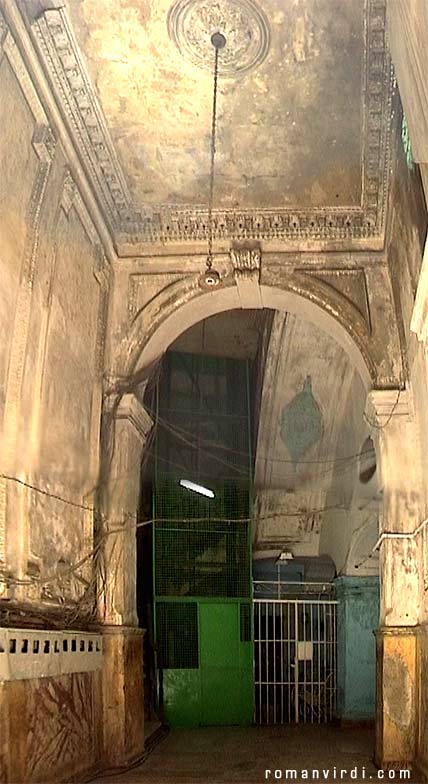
(123, 695)
(358, 618)
(395, 434)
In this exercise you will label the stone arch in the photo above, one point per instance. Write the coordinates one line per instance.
(176, 308)
(183, 303)
(180, 305)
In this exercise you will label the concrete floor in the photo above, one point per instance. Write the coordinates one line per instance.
(228, 755)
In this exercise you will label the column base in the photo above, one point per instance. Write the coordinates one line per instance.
(123, 695)
(421, 766)
(396, 719)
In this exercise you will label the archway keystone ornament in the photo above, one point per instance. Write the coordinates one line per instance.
(191, 23)
(246, 262)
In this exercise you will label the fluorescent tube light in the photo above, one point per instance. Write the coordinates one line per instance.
(196, 488)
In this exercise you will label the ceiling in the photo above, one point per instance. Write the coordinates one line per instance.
(303, 111)
(289, 128)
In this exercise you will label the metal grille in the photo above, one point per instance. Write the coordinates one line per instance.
(202, 558)
(295, 660)
(177, 635)
(173, 502)
(203, 427)
(202, 545)
(245, 622)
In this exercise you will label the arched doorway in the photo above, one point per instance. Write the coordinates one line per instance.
(300, 508)
(178, 307)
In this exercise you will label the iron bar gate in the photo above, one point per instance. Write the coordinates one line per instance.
(294, 660)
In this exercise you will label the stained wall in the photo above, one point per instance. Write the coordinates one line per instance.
(405, 255)
(55, 281)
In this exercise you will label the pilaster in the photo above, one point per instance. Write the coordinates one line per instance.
(396, 687)
(123, 695)
(131, 427)
(390, 415)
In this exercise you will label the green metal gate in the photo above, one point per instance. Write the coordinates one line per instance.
(202, 546)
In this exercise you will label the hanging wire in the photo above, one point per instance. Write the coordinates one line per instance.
(218, 41)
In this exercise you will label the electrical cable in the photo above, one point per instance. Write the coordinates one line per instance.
(390, 415)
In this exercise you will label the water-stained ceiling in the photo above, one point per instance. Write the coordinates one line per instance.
(289, 127)
(303, 112)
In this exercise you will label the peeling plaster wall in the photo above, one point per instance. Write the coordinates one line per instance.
(54, 283)
(408, 224)
(52, 307)
(350, 530)
(307, 375)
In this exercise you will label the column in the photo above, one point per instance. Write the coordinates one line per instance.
(123, 695)
(395, 434)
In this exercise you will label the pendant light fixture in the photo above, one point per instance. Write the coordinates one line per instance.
(211, 278)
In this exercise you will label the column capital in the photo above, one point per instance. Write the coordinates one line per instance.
(383, 405)
(134, 412)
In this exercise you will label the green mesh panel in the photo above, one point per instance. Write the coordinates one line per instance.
(202, 559)
(177, 635)
(203, 428)
(201, 545)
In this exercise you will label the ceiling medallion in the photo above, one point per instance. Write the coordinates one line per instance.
(191, 23)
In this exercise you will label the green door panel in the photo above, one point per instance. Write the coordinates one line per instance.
(223, 685)
(220, 696)
(221, 691)
(182, 697)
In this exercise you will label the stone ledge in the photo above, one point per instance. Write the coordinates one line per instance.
(126, 631)
(26, 654)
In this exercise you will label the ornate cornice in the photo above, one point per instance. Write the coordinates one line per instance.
(81, 112)
(181, 224)
(167, 224)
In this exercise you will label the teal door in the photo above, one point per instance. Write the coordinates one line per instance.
(226, 678)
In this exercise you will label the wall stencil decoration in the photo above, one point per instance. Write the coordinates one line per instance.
(301, 422)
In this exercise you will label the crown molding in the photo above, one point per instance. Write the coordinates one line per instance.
(18, 37)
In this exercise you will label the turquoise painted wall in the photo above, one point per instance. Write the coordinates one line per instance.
(357, 619)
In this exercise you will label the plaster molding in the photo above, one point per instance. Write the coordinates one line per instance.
(37, 89)
(349, 283)
(139, 283)
(384, 405)
(81, 111)
(3, 33)
(153, 307)
(71, 198)
(134, 412)
(17, 64)
(246, 262)
(44, 144)
(192, 22)
(419, 320)
(170, 223)
(163, 224)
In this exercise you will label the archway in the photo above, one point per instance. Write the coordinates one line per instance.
(176, 308)
(181, 305)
